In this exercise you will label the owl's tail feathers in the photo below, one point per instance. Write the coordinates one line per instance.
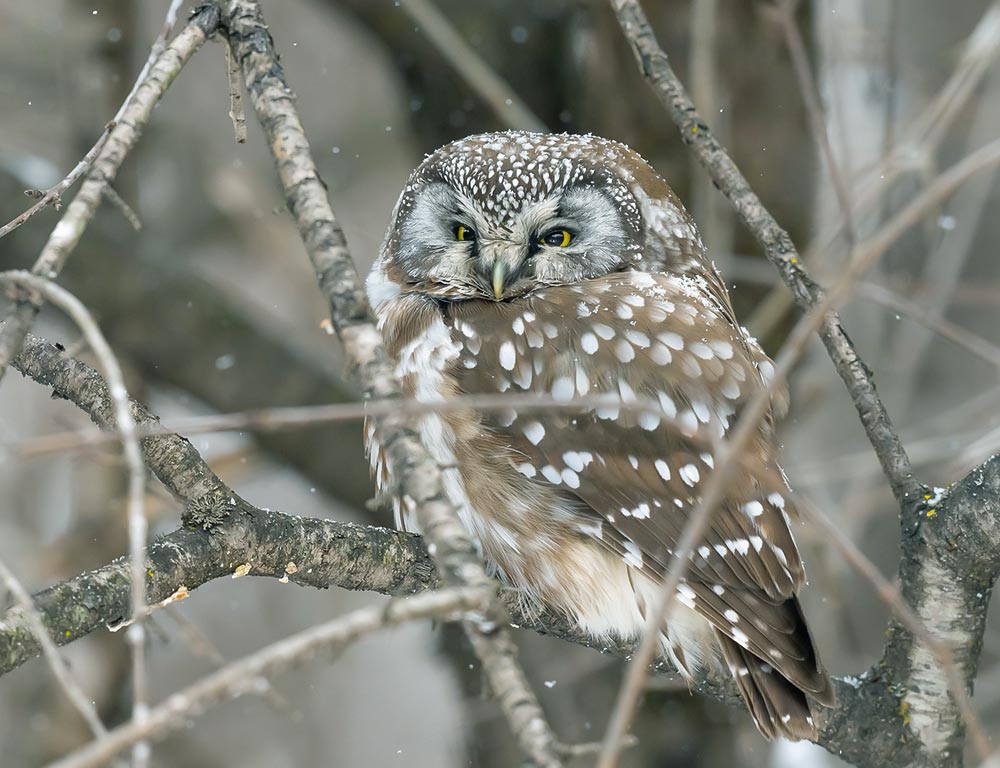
(778, 706)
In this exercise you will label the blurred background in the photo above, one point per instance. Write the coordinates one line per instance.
(213, 307)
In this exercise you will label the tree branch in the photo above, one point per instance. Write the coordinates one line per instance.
(778, 246)
(416, 474)
(132, 118)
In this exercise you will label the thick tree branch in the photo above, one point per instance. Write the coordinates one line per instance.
(417, 475)
(870, 724)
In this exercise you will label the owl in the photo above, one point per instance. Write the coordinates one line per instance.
(564, 266)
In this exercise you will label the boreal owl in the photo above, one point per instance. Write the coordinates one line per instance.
(564, 266)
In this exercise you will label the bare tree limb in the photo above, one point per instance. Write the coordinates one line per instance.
(655, 67)
(53, 195)
(508, 107)
(415, 472)
(125, 427)
(241, 677)
(55, 661)
(867, 727)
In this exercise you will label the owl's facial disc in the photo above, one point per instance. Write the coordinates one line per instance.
(454, 249)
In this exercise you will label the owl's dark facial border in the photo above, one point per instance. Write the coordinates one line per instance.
(425, 246)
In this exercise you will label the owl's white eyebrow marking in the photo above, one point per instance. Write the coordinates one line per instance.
(507, 355)
(534, 431)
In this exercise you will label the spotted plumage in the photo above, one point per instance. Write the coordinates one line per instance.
(563, 265)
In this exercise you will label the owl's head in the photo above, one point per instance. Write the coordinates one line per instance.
(499, 215)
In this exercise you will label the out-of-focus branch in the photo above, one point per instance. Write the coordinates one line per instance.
(930, 684)
(655, 67)
(236, 538)
(36, 288)
(508, 107)
(53, 195)
(241, 677)
(867, 727)
(129, 124)
(416, 474)
(60, 670)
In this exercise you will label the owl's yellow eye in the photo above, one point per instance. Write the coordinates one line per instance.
(464, 234)
(557, 238)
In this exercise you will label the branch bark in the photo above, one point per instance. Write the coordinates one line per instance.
(417, 476)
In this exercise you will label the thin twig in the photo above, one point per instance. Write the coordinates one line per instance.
(740, 436)
(911, 151)
(889, 594)
(268, 419)
(55, 661)
(112, 196)
(784, 13)
(53, 195)
(126, 427)
(778, 246)
(240, 677)
(128, 125)
(236, 112)
(508, 107)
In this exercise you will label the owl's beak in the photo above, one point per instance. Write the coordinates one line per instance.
(499, 275)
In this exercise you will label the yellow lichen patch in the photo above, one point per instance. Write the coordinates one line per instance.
(68, 632)
(904, 710)
(149, 573)
(291, 568)
(931, 512)
(241, 570)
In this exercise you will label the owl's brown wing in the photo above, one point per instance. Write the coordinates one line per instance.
(638, 336)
